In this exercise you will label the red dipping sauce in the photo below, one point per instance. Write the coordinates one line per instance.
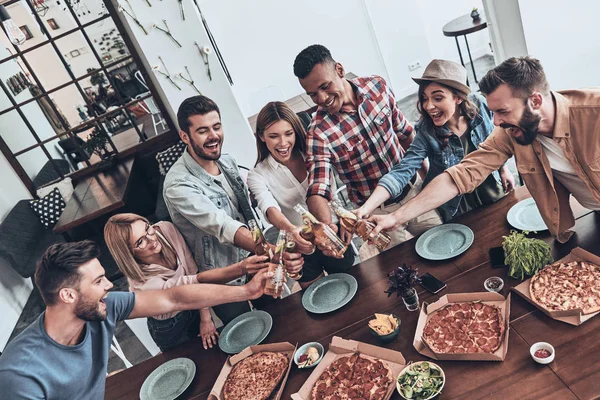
(542, 353)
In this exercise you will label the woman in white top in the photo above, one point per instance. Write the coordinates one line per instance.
(279, 181)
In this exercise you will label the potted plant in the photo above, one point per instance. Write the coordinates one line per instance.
(475, 14)
(97, 142)
(401, 282)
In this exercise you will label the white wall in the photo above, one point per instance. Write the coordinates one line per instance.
(275, 31)
(569, 50)
(367, 36)
(239, 141)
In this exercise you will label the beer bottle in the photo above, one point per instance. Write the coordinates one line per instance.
(274, 286)
(360, 227)
(290, 247)
(322, 232)
(261, 247)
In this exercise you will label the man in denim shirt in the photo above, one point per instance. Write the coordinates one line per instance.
(207, 198)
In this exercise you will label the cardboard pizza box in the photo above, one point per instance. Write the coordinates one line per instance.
(573, 317)
(495, 299)
(283, 347)
(342, 347)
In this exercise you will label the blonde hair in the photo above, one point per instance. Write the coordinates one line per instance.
(117, 234)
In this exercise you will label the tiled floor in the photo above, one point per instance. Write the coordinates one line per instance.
(132, 347)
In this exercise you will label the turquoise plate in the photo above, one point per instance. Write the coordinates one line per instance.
(329, 293)
(245, 330)
(444, 242)
(525, 216)
(168, 381)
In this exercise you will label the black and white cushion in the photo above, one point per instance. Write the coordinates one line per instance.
(167, 158)
(49, 208)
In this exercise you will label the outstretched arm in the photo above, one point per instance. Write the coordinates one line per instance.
(190, 297)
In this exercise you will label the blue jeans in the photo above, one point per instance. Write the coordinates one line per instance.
(170, 333)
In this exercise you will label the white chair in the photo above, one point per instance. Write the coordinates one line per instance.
(149, 105)
(139, 327)
(119, 352)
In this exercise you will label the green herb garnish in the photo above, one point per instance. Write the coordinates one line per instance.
(420, 381)
(525, 256)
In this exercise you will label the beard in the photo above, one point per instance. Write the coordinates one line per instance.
(201, 153)
(89, 310)
(529, 125)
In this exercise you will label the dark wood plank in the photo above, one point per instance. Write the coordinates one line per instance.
(97, 195)
(577, 348)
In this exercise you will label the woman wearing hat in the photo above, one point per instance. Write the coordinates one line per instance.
(453, 123)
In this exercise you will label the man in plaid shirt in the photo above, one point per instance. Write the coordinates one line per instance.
(358, 130)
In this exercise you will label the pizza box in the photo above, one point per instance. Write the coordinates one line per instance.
(343, 347)
(573, 317)
(283, 347)
(485, 297)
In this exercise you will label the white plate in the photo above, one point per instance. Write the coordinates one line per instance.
(525, 216)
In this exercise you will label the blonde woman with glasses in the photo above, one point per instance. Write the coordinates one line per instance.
(157, 257)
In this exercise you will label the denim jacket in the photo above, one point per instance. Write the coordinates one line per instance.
(426, 145)
(204, 213)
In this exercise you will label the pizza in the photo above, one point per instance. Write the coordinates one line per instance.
(465, 328)
(353, 377)
(567, 286)
(255, 377)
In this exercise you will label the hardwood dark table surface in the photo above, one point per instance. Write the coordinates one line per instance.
(97, 195)
(575, 373)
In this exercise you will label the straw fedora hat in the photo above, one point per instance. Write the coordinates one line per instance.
(447, 73)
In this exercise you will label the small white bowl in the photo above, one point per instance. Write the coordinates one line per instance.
(542, 346)
(493, 280)
(302, 349)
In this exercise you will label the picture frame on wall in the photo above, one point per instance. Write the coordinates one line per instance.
(52, 24)
(26, 32)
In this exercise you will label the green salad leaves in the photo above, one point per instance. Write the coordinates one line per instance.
(525, 256)
(420, 381)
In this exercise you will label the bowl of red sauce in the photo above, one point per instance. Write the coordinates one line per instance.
(542, 352)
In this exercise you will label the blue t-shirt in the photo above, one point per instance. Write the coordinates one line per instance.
(34, 366)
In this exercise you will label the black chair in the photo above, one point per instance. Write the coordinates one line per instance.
(51, 171)
(305, 118)
(72, 146)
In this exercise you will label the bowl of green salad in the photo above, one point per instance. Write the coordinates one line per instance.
(422, 380)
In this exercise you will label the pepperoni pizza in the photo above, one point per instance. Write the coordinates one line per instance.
(464, 328)
(353, 377)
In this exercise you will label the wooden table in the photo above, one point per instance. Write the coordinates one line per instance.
(462, 26)
(575, 373)
(96, 196)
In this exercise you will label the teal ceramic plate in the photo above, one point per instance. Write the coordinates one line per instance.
(168, 381)
(329, 293)
(444, 242)
(245, 330)
(525, 216)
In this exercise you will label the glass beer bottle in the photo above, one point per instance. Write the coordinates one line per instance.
(290, 247)
(322, 232)
(360, 227)
(274, 286)
(261, 247)
(307, 234)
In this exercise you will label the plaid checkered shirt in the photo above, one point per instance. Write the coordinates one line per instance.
(362, 145)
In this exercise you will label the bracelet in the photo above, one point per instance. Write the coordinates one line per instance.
(242, 268)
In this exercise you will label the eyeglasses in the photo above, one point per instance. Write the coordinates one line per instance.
(143, 242)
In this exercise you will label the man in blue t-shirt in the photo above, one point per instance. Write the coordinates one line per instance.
(64, 353)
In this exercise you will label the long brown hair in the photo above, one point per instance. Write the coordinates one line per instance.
(117, 234)
(272, 112)
(467, 108)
